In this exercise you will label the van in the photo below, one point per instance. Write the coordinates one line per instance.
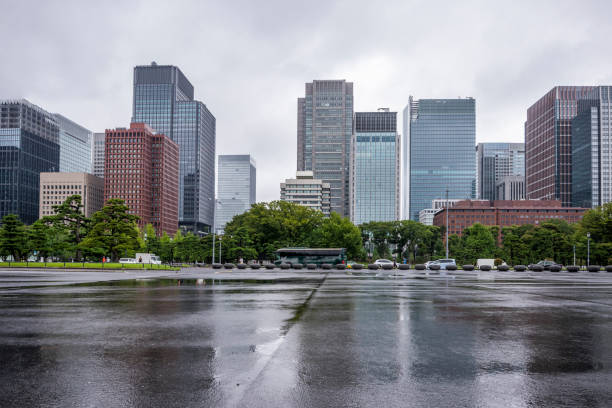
(484, 261)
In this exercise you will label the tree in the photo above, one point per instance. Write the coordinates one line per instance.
(275, 225)
(478, 242)
(69, 218)
(152, 243)
(240, 245)
(13, 239)
(40, 237)
(337, 232)
(113, 231)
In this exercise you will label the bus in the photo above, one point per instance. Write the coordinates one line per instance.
(315, 256)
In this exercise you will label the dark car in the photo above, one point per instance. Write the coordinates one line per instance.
(546, 264)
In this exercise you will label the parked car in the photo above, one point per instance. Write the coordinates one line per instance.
(546, 264)
(442, 262)
(382, 262)
(127, 260)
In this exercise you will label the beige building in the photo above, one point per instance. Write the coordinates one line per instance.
(56, 187)
(305, 190)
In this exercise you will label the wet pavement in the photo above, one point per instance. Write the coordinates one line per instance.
(203, 337)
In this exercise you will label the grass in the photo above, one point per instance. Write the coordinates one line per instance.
(85, 265)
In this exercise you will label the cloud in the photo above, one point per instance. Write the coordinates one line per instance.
(249, 60)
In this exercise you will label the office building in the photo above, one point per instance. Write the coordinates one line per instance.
(504, 213)
(55, 188)
(548, 147)
(495, 161)
(75, 146)
(324, 131)
(510, 188)
(236, 187)
(592, 150)
(375, 181)
(442, 136)
(426, 215)
(142, 169)
(164, 100)
(98, 154)
(305, 190)
(29, 145)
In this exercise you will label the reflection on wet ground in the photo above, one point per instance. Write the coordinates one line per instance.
(251, 338)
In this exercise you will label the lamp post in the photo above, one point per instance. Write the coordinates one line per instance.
(588, 248)
(447, 222)
(220, 248)
(214, 229)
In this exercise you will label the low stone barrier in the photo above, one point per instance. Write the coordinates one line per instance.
(468, 267)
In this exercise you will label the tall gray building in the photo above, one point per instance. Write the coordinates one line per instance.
(75, 146)
(29, 145)
(99, 139)
(375, 180)
(442, 136)
(591, 141)
(164, 100)
(236, 187)
(496, 161)
(324, 131)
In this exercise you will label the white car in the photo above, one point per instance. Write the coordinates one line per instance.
(442, 262)
(127, 260)
(382, 262)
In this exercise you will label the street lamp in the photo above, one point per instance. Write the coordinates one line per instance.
(215, 230)
(588, 248)
(447, 207)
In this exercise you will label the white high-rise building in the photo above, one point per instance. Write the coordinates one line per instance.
(236, 188)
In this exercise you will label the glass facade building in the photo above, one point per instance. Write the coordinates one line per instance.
(324, 132)
(236, 187)
(375, 179)
(496, 161)
(98, 154)
(442, 154)
(75, 146)
(592, 150)
(164, 100)
(548, 143)
(29, 145)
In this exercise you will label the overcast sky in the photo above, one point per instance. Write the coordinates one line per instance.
(249, 60)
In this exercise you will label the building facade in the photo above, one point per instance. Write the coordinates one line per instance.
(98, 154)
(592, 150)
(505, 213)
(375, 181)
(55, 188)
(324, 132)
(75, 146)
(495, 161)
(441, 151)
(141, 168)
(305, 190)
(164, 100)
(236, 187)
(510, 188)
(548, 147)
(29, 145)
(426, 216)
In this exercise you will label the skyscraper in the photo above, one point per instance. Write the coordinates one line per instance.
(548, 148)
(324, 131)
(236, 187)
(591, 143)
(75, 146)
(142, 169)
(164, 100)
(29, 145)
(98, 154)
(441, 153)
(375, 175)
(496, 161)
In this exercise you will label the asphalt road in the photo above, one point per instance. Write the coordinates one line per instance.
(203, 337)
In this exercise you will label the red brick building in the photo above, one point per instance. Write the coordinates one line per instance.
(505, 213)
(142, 168)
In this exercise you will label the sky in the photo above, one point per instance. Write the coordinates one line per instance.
(249, 60)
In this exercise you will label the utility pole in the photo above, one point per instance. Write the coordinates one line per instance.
(446, 222)
(214, 228)
(574, 254)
